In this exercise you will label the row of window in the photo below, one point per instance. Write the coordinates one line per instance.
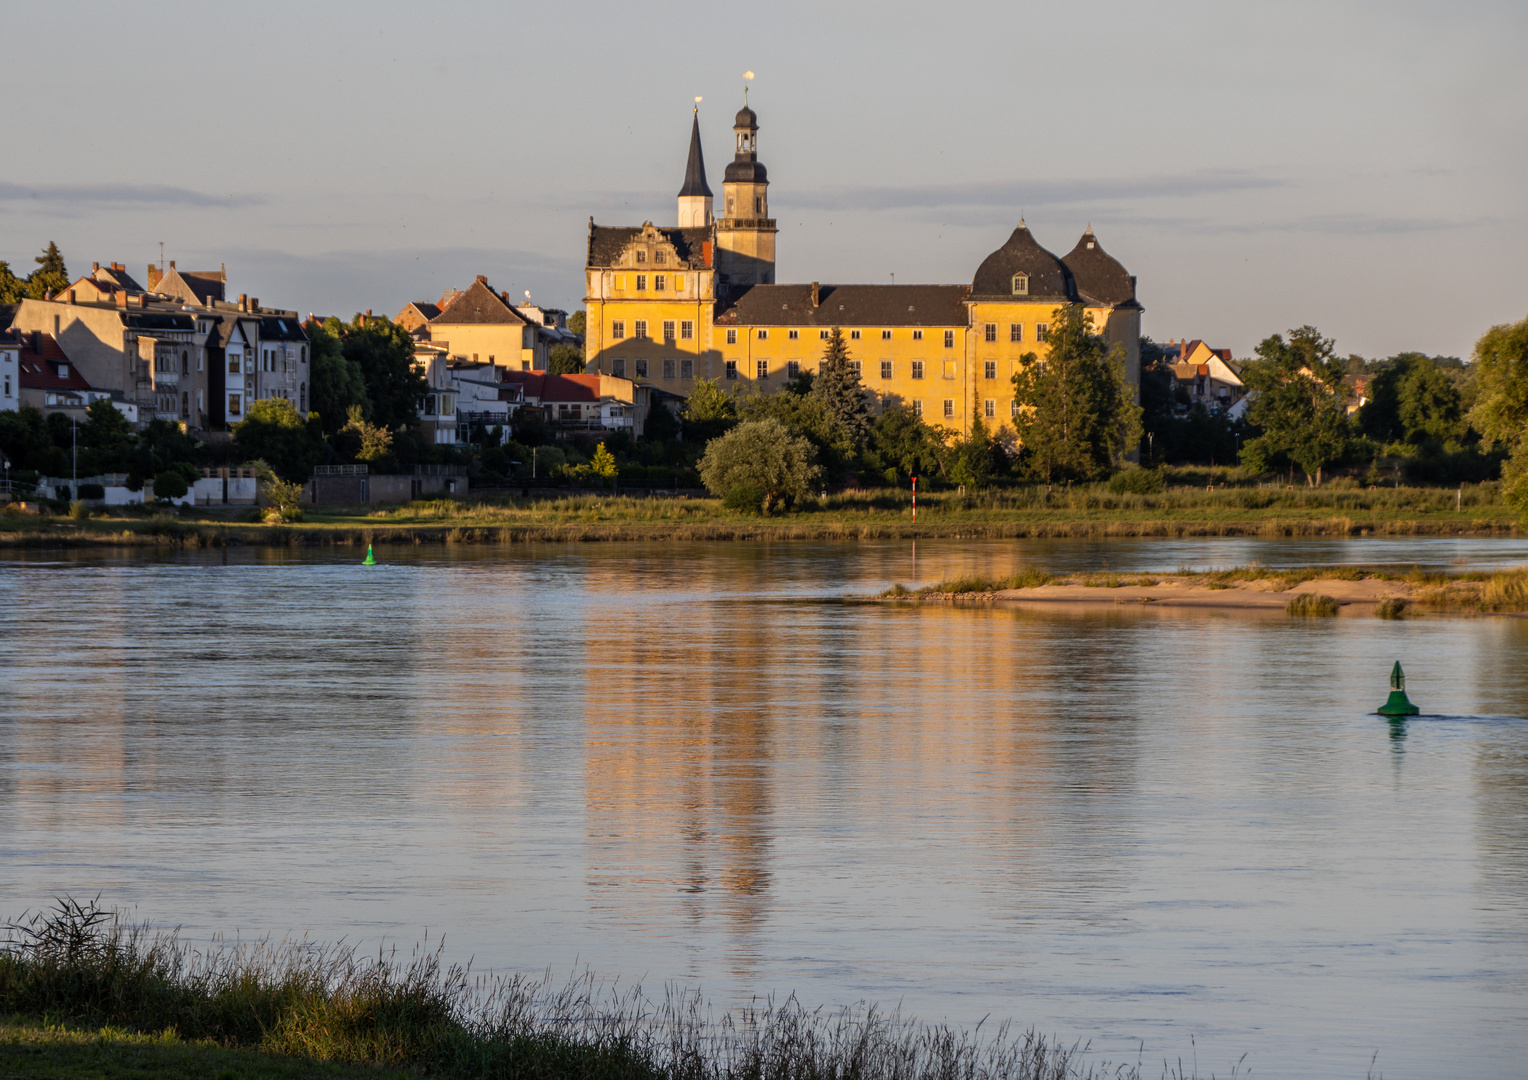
(672, 368)
(684, 368)
(660, 282)
(686, 329)
(659, 257)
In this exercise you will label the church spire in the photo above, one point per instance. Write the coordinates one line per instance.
(695, 196)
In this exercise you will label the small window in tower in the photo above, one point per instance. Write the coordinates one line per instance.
(917, 335)
(658, 282)
(823, 334)
(1020, 284)
(854, 335)
(641, 283)
(659, 257)
(731, 337)
(641, 256)
(794, 334)
(729, 205)
(763, 335)
(758, 206)
(885, 335)
(991, 332)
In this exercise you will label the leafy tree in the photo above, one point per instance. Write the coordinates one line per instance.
(51, 275)
(837, 386)
(904, 445)
(1412, 400)
(383, 352)
(578, 322)
(375, 443)
(977, 458)
(273, 432)
(708, 412)
(335, 380)
(108, 434)
(283, 498)
(25, 440)
(662, 425)
(764, 456)
(170, 484)
(602, 464)
(565, 360)
(1077, 414)
(12, 288)
(1300, 403)
(1501, 412)
(809, 416)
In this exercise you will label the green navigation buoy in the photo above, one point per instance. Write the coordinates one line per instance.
(1398, 704)
(370, 560)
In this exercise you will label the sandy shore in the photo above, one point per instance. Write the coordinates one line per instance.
(1355, 597)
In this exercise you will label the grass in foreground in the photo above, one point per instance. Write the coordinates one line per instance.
(90, 995)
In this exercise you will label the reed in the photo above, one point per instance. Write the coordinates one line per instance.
(1312, 605)
(82, 966)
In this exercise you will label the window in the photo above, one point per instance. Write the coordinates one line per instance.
(990, 408)
(823, 334)
(1040, 329)
(233, 364)
(794, 335)
(731, 337)
(991, 331)
(989, 369)
(686, 369)
(668, 369)
(854, 335)
(1020, 284)
(792, 369)
(949, 339)
(1013, 407)
(641, 258)
(761, 369)
(917, 369)
(686, 330)
(233, 404)
(885, 369)
(641, 366)
(618, 368)
(758, 205)
(658, 257)
(658, 281)
(949, 407)
(763, 335)
(618, 329)
(1015, 331)
(917, 335)
(856, 367)
(885, 335)
(917, 405)
(731, 369)
(949, 369)
(639, 328)
(668, 330)
(641, 283)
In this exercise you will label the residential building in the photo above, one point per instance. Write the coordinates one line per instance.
(1202, 375)
(482, 326)
(584, 403)
(10, 370)
(48, 380)
(669, 305)
(437, 405)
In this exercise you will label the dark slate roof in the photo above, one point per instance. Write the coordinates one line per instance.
(281, 329)
(121, 278)
(159, 320)
(1096, 275)
(745, 171)
(846, 305)
(479, 304)
(606, 242)
(1021, 254)
(746, 118)
(695, 168)
(425, 308)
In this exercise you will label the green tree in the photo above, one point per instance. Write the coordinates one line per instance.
(26, 441)
(662, 425)
(1501, 410)
(335, 383)
(602, 464)
(170, 484)
(977, 458)
(838, 386)
(1300, 405)
(51, 275)
(761, 457)
(384, 354)
(274, 432)
(1412, 399)
(809, 416)
(565, 360)
(375, 443)
(904, 445)
(1077, 415)
(108, 434)
(708, 411)
(578, 322)
(283, 499)
(12, 288)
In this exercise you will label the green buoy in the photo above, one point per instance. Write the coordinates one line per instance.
(1398, 704)
(370, 560)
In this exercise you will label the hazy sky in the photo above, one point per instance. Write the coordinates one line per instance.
(1362, 166)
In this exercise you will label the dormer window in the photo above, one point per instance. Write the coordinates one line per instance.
(1020, 284)
(641, 256)
(63, 371)
(657, 256)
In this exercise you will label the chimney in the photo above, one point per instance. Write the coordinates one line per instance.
(254, 304)
(119, 267)
(95, 267)
(816, 294)
(243, 302)
(172, 264)
(483, 278)
(154, 276)
(120, 297)
(705, 251)
(71, 296)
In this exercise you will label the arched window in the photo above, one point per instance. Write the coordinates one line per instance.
(185, 362)
(1020, 284)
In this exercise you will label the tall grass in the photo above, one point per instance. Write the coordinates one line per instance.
(1312, 604)
(79, 964)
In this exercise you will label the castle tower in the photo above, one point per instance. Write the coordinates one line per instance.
(695, 196)
(745, 233)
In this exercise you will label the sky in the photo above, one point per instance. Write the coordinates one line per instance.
(1356, 165)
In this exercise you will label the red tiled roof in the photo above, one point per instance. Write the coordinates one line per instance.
(556, 388)
(39, 365)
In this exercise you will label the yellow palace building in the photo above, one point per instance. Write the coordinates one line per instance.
(669, 305)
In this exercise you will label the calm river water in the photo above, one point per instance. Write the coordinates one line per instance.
(687, 764)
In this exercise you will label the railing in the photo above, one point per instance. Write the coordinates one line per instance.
(341, 470)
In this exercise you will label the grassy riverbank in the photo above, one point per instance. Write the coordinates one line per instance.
(1089, 511)
(89, 995)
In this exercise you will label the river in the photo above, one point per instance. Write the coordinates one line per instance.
(691, 764)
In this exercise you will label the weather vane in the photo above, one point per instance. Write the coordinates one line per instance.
(747, 76)
(697, 103)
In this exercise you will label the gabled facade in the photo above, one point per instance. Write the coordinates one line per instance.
(1204, 376)
(669, 305)
(482, 326)
(10, 370)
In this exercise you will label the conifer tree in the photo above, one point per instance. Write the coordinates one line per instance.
(12, 288)
(838, 386)
(51, 275)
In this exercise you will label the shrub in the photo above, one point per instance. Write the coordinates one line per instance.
(78, 510)
(1316, 605)
(1135, 480)
(747, 498)
(762, 454)
(170, 484)
(1392, 607)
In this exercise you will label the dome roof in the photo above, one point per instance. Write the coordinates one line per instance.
(1096, 274)
(1021, 255)
(746, 118)
(745, 172)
